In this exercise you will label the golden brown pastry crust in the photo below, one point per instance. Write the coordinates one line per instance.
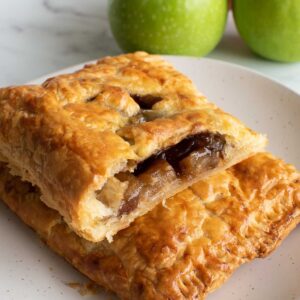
(72, 134)
(187, 248)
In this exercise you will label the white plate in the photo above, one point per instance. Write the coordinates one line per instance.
(30, 271)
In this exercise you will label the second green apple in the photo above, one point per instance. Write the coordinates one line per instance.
(186, 27)
(271, 28)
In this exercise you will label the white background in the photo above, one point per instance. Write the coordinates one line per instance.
(41, 36)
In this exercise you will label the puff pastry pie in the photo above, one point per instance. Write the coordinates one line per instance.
(109, 142)
(186, 249)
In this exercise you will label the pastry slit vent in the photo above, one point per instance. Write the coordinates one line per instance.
(194, 154)
(147, 101)
(91, 99)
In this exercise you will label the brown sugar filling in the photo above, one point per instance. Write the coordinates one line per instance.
(207, 143)
(194, 154)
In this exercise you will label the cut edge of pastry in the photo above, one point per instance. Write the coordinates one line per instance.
(96, 227)
(160, 179)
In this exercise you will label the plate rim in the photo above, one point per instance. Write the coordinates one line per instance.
(262, 76)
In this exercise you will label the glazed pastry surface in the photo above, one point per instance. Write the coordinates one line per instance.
(185, 247)
(112, 140)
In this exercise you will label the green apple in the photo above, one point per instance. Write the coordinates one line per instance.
(271, 28)
(186, 27)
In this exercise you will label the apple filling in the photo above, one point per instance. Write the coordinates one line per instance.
(188, 158)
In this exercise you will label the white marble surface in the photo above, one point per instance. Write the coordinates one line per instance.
(41, 36)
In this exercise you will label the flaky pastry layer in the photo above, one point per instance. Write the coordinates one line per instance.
(73, 135)
(187, 248)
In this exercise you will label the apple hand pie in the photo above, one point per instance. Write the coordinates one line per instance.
(112, 140)
(187, 248)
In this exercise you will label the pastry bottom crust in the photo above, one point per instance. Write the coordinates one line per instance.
(186, 247)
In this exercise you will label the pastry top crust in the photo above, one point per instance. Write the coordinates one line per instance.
(73, 132)
(188, 247)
